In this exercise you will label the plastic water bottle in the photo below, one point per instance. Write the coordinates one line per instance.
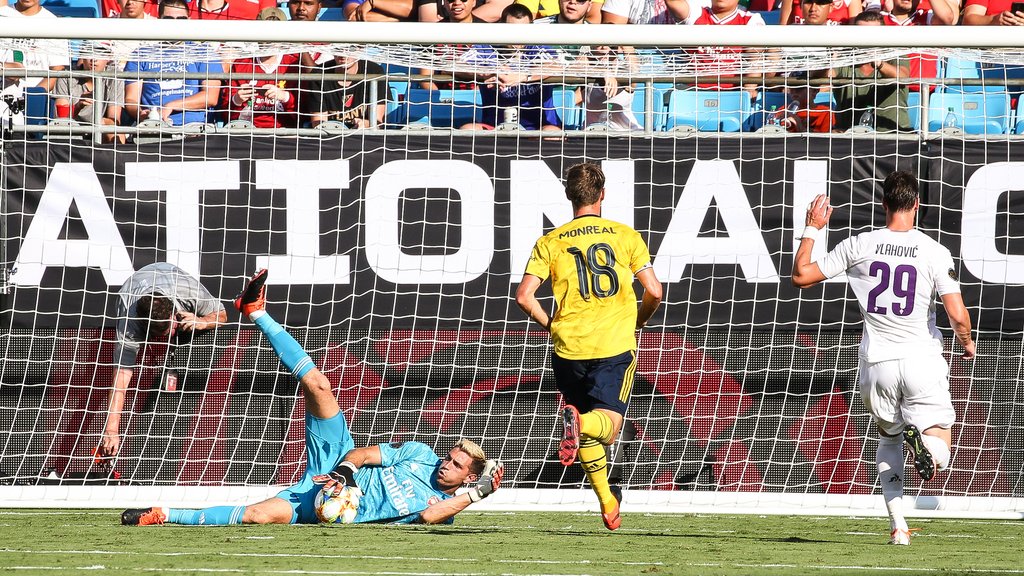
(867, 120)
(951, 120)
(774, 119)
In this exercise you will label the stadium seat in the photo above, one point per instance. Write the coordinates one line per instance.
(658, 111)
(74, 11)
(442, 108)
(914, 109)
(331, 15)
(954, 68)
(977, 112)
(571, 115)
(763, 104)
(770, 17)
(708, 110)
(37, 106)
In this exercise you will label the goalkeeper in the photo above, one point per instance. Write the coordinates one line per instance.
(400, 482)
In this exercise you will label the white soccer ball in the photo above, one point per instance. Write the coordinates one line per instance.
(340, 508)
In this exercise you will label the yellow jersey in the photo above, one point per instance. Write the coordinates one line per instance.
(591, 262)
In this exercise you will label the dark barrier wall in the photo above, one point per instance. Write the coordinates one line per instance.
(395, 258)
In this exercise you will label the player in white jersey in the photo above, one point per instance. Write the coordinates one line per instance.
(896, 272)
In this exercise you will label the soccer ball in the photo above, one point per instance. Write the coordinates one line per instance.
(340, 508)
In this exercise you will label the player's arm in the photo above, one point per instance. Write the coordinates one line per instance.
(960, 320)
(110, 443)
(486, 485)
(526, 298)
(651, 298)
(805, 272)
(190, 321)
(344, 474)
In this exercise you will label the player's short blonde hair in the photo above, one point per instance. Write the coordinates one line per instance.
(584, 184)
(475, 452)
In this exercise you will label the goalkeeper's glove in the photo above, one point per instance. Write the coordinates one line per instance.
(344, 474)
(488, 482)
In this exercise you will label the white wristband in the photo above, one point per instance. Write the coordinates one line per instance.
(810, 232)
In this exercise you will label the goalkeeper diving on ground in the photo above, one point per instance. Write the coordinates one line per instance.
(402, 482)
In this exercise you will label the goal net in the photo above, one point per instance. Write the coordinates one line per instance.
(395, 240)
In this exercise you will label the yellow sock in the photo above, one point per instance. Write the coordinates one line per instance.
(597, 425)
(595, 465)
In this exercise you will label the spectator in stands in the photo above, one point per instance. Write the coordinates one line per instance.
(228, 9)
(646, 12)
(160, 303)
(36, 55)
(175, 100)
(265, 103)
(513, 84)
(607, 102)
(882, 107)
(911, 13)
(304, 10)
(717, 60)
(793, 11)
(541, 8)
(818, 13)
(992, 13)
(348, 101)
(569, 12)
(130, 9)
(803, 113)
(78, 95)
(458, 12)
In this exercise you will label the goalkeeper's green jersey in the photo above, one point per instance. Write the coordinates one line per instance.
(591, 262)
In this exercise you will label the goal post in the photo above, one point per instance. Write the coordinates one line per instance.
(394, 254)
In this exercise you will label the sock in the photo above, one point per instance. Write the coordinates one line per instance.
(890, 460)
(287, 348)
(597, 425)
(937, 446)
(595, 465)
(216, 516)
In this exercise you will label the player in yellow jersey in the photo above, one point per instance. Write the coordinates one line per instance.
(591, 262)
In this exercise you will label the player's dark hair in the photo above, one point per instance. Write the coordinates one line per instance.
(172, 3)
(867, 16)
(515, 10)
(157, 311)
(900, 191)
(584, 184)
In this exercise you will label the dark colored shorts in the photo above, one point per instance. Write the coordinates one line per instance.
(598, 383)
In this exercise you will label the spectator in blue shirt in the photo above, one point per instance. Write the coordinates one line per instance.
(172, 97)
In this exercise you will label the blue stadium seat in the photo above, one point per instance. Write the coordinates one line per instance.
(977, 112)
(658, 112)
(330, 15)
(442, 108)
(914, 109)
(770, 17)
(74, 11)
(708, 110)
(37, 106)
(954, 68)
(571, 115)
(763, 105)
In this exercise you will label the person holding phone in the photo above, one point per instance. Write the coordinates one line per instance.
(267, 103)
(994, 13)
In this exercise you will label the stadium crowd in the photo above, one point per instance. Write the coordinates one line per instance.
(359, 101)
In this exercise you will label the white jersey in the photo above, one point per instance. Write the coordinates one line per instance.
(895, 276)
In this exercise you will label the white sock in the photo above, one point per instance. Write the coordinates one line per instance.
(889, 458)
(256, 314)
(940, 451)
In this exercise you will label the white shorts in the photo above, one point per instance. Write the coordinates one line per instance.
(907, 391)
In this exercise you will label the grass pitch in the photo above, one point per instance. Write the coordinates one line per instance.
(53, 542)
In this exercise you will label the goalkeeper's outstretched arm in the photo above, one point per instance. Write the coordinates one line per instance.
(487, 484)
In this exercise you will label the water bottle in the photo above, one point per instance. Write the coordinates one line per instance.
(951, 120)
(867, 120)
(774, 119)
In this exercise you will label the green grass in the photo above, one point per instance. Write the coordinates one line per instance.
(54, 542)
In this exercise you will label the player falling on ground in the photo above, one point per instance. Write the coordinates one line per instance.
(895, 272)
(592, 262)
(400, 482)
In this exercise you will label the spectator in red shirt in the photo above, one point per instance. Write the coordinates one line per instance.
(379, 10)
(711, 59)
(130, 9)
(992, 13)
(227, 9)
(791, 11)
(911, 13)
(265, 103)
